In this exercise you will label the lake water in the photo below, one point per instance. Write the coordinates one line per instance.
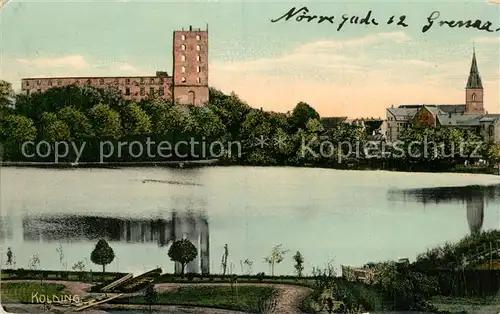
(350, 217)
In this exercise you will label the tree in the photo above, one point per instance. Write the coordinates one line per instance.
(408, 289)
(277, 256)
(224, 260)
(61, 256)
(299, 263)
(301, 115)
(183, 252)
(203, 121)
(78, 123)
(53, 129)
(80, 267)
(248, 264)
(491, 153)
(105, 121)
(102, 255)
(151, 296)
(230, 109)
(14, 131)
(165, 118)
(52, 100)
(135, 121)
(6, 98)
(325, 285)
(34, 264)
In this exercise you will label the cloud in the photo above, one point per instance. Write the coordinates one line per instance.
(75, 65)
(320, 60)
(488, 40)
(355, 77)
(76, 62)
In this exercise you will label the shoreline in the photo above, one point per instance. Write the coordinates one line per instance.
(211, 163)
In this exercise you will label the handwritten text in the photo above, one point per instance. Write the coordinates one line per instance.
(303, 15)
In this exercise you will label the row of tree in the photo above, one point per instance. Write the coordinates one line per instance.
(83, 113)
(181, 251)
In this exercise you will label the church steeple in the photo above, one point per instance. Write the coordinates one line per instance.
(474, 80)
(474, 89)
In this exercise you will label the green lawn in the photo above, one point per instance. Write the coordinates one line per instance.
(472, 304)
(246, 298)
(23, 292)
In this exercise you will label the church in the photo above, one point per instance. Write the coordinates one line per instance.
(470, 115)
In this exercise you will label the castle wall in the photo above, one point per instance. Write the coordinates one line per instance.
(132, 88)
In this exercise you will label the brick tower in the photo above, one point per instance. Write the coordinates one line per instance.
(474, 90)
(190, 66)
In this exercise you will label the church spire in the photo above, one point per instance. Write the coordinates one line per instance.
(474, 80)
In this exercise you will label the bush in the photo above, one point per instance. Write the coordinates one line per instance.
(190, 276)
(260, 276)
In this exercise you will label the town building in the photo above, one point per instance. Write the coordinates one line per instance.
(470, 116)
(187, 85)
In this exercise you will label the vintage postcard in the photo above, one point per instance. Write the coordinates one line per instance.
(249, 156)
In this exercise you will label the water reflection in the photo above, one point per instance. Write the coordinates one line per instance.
(5, 229)
(73, 228)
(474, 196)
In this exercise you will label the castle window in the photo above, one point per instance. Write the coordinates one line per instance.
(27, 83)
(117, 81)
(162, 80)
(198, 58)
(142, 80)
(198, 47)
(101, 81)
(151, 80)
(183, 70)
(161, 91)
(151, 91)
(183, 37)
(198, 80)
(89, 81)
(50, 82)
(127, 81)
(183, 80)
(127, 91)
(77, 82)
(183, 58)
(183, 47)
(473, 97)
(198, 69)
(59, 82)
(142, 91)
(198, 37)
(38, 82)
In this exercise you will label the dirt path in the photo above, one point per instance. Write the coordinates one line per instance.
(289, 299)
(80, 289)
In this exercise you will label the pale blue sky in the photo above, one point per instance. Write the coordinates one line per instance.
(357, 71)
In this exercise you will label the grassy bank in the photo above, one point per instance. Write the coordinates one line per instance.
(84, 276)
(467, 304)
(251, 299)
(289, 280)
(23, 292)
